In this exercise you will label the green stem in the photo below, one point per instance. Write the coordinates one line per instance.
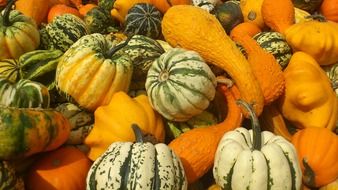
(317, 17)
(256, 135)
(137, 132)
(118, 47)
(7, 11)
(309, 174)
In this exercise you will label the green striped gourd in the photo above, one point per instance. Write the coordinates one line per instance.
(9, 179)
(142, 50)
(23, 94)
(144, 19)
(62, 32)
(137, 166)
(332, 72)
(80, 120)
(251, 159)
(208, 5)
(98, 20)
(275, 43)
(106, 4)
(40, 66)
(91, 71)
(27, 131)
(9, 68)
(180, 84)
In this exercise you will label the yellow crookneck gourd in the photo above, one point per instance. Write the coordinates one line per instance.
(318, 38)
(309, 99)
(193, 28)
(113, 123)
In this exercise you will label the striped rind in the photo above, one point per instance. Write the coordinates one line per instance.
(9, 69)
(138, 166)
(65, 30)
(187, 90)
(274, 167)
(144, 19)
(23, 94)
(276, 44)
(85, 75)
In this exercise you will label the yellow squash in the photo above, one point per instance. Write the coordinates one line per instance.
(316, 38)
(113, 122)
(309, 100)
(193, 28)
(251, 10)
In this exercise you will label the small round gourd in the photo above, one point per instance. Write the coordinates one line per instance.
(251, 159)
(144, 19)
(229, 14)
(180, 84)
(275, 43)
(136, 166)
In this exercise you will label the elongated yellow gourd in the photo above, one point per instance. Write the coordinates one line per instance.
(195, 29)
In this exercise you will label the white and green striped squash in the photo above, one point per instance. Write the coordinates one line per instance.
(275, 43)
(80, 120)
(332, 72)
(40, 66)
(251, 160)
(62, 32)
(9, 69)
(137, 166)
(180, 84)
(9, 178)
(142, 50)
(91, 71)
(208, 5)
(144, 19)
(23, 94)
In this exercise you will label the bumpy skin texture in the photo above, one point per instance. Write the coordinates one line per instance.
(195, 29)
(265, 67)
(309, 100)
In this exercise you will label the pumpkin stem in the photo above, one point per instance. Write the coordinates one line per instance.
(317, 17)
(120, 46)
(256, 135)
(137, 132)
(8, 9)
(309, 174)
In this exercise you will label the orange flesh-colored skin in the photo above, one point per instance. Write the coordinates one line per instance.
(65, 168)
(265, 67)
(196, 148)
(278, 14)
(329, 9)
(193, 28)
(319, 146)
(248, 28)
(61, 9)
(36, 9)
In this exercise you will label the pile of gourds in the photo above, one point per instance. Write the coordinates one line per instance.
(157, 94)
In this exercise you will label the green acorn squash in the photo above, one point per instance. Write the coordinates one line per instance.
(180, 84)
(27, 131)
(229, 15)
(91, 71)
(23, 94)
(18, 33)
(144, 19)
(139, 165)
(62, 32)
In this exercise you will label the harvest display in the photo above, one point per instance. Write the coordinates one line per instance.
(169, 94)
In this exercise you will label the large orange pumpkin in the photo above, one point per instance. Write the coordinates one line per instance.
(329, 9)
(36, 9)
(65, 168)
(317, 150)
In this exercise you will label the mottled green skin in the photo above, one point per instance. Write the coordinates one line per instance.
(62, 32)
(9, 178)
(98, 20)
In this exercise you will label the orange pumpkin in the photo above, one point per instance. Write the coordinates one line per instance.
(317, 150)
(329, 9)
(164, 5)
(65, 168)
(61, 9)
(3, 2)
(36, 9)
(248, 28)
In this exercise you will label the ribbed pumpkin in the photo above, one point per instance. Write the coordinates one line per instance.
(251, 159)
(180, 84)
(23, 94)
(9, 69)
(275, 43)
(62, 32)
(81, 122)
(40, 66)
(229, 14)
(9, 178)
(90, 72)
(18, 33)
(138, 165)
(144, 19)
(317, 150)
(27, 131)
